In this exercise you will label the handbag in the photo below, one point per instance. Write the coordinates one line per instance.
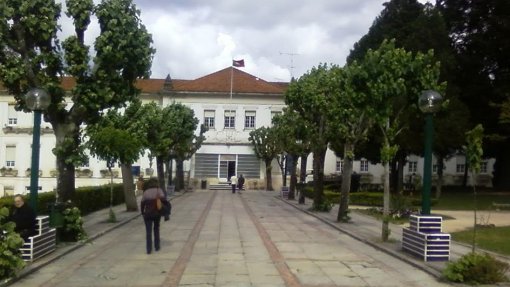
(158, 204)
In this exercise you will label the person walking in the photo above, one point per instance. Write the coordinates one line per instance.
(151, 214)
(240, 182)
(233, 183)
(24, 217)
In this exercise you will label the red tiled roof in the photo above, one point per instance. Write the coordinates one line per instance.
(218, 82)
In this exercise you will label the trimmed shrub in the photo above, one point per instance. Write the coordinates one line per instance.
(88, 199)
(475, 268)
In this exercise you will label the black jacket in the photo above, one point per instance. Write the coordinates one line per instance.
(25, 220)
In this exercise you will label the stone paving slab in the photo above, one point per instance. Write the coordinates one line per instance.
(225, 239)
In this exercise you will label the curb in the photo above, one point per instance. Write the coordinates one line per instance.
(70, 248)
(430, 270)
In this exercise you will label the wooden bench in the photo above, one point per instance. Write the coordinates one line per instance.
(42, 243)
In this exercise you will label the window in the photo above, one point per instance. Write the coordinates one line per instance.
(230, 119)
(483, 167)
(249, 120)
(413, 166)
(363, 165)
(12, 116)
(339, 165)
(209, 119)
(10, 156)
(461, 167)
(434, 168)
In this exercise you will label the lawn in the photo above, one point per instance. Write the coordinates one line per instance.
(490, 238)
(457, 200)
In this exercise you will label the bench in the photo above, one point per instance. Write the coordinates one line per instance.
(424, 238)
(499, 206)
(42, 243)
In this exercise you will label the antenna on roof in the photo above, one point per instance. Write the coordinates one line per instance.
(291, 55)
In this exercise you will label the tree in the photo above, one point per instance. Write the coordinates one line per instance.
(265, 145)
(120, 137)
(31, 56)
(310, 96)
(158, 140)
(185, 149)
(352, 120)
(478, 32)
(474, 153)
(291, 134)
(394, 80)
(417, 27)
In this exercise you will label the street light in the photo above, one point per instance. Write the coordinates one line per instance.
(36, 100)
(429, 103)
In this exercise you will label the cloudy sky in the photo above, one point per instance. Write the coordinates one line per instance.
(276, 38)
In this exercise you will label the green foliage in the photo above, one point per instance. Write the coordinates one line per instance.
(111, 216)
(33, 56)
(73, 225)
(474, 148)
(475, 268)
(265, 143)
(10, 243)
(324, 206)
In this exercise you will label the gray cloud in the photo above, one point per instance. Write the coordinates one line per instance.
(197, 37)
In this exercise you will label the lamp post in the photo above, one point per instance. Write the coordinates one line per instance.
(429, 103)
(36, 100)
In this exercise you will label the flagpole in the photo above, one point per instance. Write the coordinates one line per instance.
(231, 79)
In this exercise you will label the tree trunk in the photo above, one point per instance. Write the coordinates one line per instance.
(439, 186)
(386, 208)
(169, 170)
(161, 172)
(293, 177)
(179, 174)
(401, 161)
(318, 177)
(346, 183)
(393, 176)
(129, 190)
(65, 180)
(65, 133)
(501, 172)
(465, 178)
(302, 176)
(269, 179)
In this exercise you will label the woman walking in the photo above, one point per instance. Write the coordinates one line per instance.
(151, 213)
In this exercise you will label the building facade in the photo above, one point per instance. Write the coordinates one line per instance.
(230, 102)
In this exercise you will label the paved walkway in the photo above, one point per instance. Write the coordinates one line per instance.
(223, 239)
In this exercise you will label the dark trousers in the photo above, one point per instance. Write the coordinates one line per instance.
(233, 188)
(149, 223)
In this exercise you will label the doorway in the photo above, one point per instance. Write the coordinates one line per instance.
(231, 169)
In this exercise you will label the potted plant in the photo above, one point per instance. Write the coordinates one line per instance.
(28, 172)
(86, 172)
(72, 229)
(53, 173)
(8, 171)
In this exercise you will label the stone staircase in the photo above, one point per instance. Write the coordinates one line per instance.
(220, 186)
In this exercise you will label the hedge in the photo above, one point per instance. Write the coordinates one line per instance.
(88, 198)
(363, 198)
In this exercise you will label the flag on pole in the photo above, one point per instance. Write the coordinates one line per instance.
(238, 63)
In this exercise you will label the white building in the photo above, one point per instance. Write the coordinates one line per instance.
(230, 102)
